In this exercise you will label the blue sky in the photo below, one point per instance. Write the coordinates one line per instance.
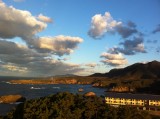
(106, 43)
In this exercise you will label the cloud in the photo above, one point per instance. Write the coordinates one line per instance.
(41, 68)
(131, 24)
(91, 65)
(52, 67)
(152, 41)
(130, 47)
(113, 59)
(14, 68)
(158, 50)
(157, 29)
(18, 54)
(63, 59)
(37, 57)
(43, 18)
(19, 59)
(126, 30)
(58, 45)
(100, 24)
(18, 23)
(18, 0)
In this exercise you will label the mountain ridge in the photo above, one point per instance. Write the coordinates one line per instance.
(148, 70)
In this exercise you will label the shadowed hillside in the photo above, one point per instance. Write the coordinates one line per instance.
(134, 72)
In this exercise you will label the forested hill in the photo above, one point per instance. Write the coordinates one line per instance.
(69, 106)
(150, 70)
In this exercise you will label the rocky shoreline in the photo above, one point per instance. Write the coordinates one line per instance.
(12, 99)
(67, 80)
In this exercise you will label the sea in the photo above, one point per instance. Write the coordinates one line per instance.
(30, 91)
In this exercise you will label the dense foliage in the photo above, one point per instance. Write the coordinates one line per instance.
(69, 106)
(139, 86)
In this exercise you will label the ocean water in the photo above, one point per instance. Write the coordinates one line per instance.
(36, 91)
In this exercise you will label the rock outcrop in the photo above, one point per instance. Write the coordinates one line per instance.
(121, 89)
(12, 98)
(80, 89)
(89, 94)
(97, 84)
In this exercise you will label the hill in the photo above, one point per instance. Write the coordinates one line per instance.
(68, 106)
(136, 71)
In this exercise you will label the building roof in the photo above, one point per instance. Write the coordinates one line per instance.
(133, 96)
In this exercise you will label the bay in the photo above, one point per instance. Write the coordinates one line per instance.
(36, 91)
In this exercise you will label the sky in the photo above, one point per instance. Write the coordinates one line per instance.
(58, 37)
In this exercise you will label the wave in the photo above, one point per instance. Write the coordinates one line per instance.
(16, 103)
(8, 82)
(56, 87)
(37, 88)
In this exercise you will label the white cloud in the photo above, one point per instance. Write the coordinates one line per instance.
(112, 56)
(113, 59)
(18, 23)
(37, 57)
(100, 24)
(43, 18)
(59, 45)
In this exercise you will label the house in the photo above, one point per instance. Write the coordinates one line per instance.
(140, 101)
